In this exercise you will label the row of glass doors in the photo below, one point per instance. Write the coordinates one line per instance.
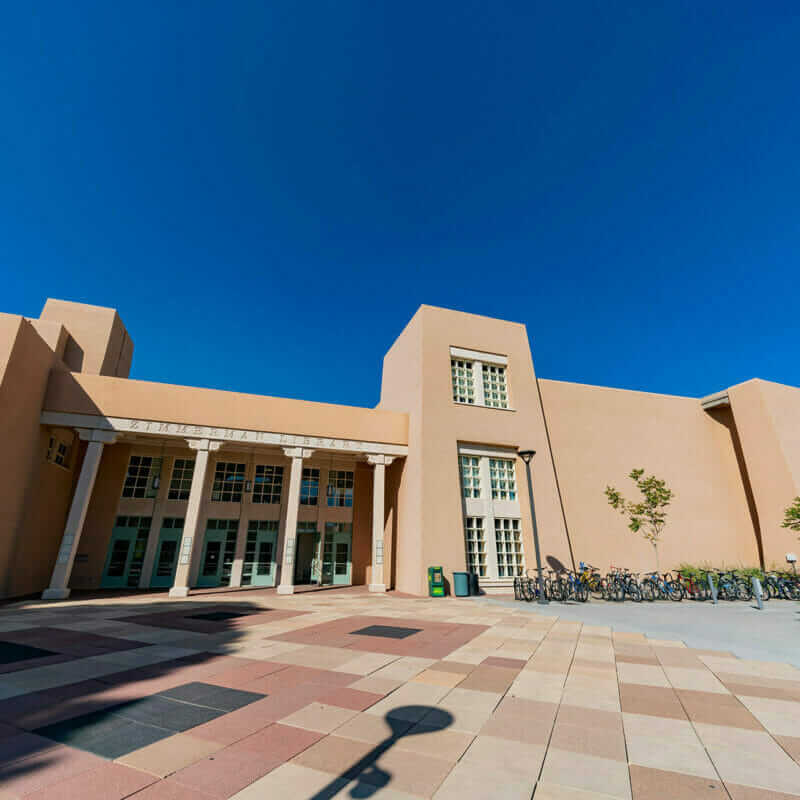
(317, 561)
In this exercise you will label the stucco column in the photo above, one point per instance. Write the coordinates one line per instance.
(297, 454)
(188, 549)
(380, 463)
(58, 589)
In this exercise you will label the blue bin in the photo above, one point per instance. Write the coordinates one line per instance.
(461, 584)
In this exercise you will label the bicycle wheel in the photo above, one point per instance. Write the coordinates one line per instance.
(648, 592)
(596, 588)
(634, 591)
(674, 591)
(581, 593)
(743, 590)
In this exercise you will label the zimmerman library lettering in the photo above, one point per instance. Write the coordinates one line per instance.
(114, 483)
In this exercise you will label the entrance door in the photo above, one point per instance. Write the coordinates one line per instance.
(219, 548)
(169, 542)
(259, 555)
(123, 567)
(336, 562)
(306, 554)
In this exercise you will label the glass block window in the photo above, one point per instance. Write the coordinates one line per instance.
(463, 384)
(142, 471)
(503, 480)
(181, 482)
(469, 466)
(268, 484)
(508, 542)
(309, 488)
(259, 553)
(476, 545)
(340, 488)
(228, 482)
(495, 392)
(58, 452)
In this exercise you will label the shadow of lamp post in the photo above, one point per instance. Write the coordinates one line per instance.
(526, 456)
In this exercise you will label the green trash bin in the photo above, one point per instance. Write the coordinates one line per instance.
(461, 584)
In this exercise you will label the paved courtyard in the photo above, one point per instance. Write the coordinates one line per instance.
(347, 695)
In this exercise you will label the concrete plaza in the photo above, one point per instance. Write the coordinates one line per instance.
(344, 694)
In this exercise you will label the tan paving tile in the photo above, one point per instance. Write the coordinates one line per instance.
(672, 755)
(717, 709)
(775, 771)
(590, 773)
(469, 700)
(644, 674)
(495, 753)
(700, 680)
(169, 755)
(411, 701)
(319, 717)
(780, 717)
(552, 791)
(443, 743)
(375, 685)
(479, 781)
(372, 729)
(656, 784)
(738, 792)
(290, 780)
(584, 739)
(435, 677)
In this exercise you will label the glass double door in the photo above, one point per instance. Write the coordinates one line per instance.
(337, 554)
(219, 548)
(166, 558)
(126, 551)
(259, 568)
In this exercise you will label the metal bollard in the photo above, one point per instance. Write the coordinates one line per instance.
(757, 592)
(713, 587)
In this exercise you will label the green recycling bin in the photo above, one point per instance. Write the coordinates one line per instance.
(435, 581)
(461, 584)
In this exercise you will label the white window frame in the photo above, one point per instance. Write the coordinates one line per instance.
(490, 508)
(478, 359)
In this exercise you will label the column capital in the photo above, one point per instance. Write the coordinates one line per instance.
(96, 435)
(297, 452)
(204, 444)
(380, 460)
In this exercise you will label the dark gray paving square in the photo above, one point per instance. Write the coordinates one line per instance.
(386, 631)
(11, 652)
(79, 731)
(220, 616)
(165, 713)
(211, 696)
(125, 739)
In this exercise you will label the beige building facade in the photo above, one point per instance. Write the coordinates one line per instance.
(113, 483)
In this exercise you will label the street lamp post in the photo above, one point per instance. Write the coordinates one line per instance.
(526, 456)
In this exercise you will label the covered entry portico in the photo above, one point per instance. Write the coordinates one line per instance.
(209, 506)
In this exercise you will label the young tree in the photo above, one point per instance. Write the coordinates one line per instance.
(791, 518)
(648, 516)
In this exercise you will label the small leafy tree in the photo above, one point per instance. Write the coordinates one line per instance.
(791, 518)
(648, 516)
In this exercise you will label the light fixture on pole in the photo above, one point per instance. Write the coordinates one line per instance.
(526, 456)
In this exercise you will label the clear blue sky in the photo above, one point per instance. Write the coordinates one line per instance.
(268, 190)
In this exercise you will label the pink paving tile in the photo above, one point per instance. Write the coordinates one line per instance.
(239, 677)
(224, 773)
(46, 768)
(510, 663)
(243, 722)
(657, 784)
(108, 782)
(637, 659)
(717, 709)
(791, 744)
(742, 687)
(353, 699)
(293, 676)
(23, 745)
(656, 701)
(167, 790)
(278, 743)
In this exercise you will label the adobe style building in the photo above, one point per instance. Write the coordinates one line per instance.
(109, 482)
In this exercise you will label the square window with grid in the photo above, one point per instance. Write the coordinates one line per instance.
(340, 488)
(475, 542)
(508, 543)
(469, 467)
(58, 452)
(142, 471)
(495, 391)
(268, 484)
(463, 383)
(503, 479)
(181, 482)
(228, 482)
(309, 488)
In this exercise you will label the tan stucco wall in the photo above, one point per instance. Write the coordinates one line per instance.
(417, 381)
(767, 417)
(100, 344)
(25, 362)
(162, 402)
(598, 435)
